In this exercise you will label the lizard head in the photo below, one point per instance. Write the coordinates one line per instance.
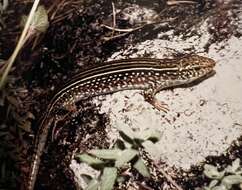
(187, 70)
(194, 68)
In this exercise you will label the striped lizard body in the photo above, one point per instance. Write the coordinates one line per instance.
(149, 75)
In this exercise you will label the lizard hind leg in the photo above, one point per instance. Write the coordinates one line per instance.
(62, 114)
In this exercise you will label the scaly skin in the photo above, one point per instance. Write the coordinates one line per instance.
(150, 75)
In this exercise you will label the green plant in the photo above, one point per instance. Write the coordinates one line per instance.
(124, 154)
(225, 179)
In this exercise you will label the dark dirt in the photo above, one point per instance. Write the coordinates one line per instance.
(75, 41)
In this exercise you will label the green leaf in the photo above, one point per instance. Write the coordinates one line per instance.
(213, 183)
(212, 172)
(119, 144)
(108, 178)
(236, 163)
(128, 144)
(126, 156)
(89, 159)
(93, 185)
(126, 132)
(40, 21)
(152, 149)
(120, 179)
(23, 20)
(234, 167)
(220, 187)
(141, 168)
(232, 179)
(151, 135)
(238, 172)
(109, 154)
(206, 188)
(87, 178)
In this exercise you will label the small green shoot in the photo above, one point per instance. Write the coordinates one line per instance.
(108, 178)
(93, 185)
(89, 159)
(40, 21)
(108, 154)
(225, 179)
(141, 168)
(124, 154)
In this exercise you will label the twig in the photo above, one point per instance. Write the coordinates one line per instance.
(238, 124)
(130, 30)
(57, 8)
(114, 18)
(133, 29)
(36, 40)
(115, 37)
(125, 31)
(169, 179)
(122, 30)
(5, 5)
(180, 2)
(62, 16)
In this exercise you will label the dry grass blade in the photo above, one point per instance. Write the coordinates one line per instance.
(172, 2)
(20, 43)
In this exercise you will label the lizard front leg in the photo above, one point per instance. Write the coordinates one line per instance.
(149, 96)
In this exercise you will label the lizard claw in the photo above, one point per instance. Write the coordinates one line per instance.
(159, 105)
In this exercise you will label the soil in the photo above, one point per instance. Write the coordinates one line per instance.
(76, 40)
